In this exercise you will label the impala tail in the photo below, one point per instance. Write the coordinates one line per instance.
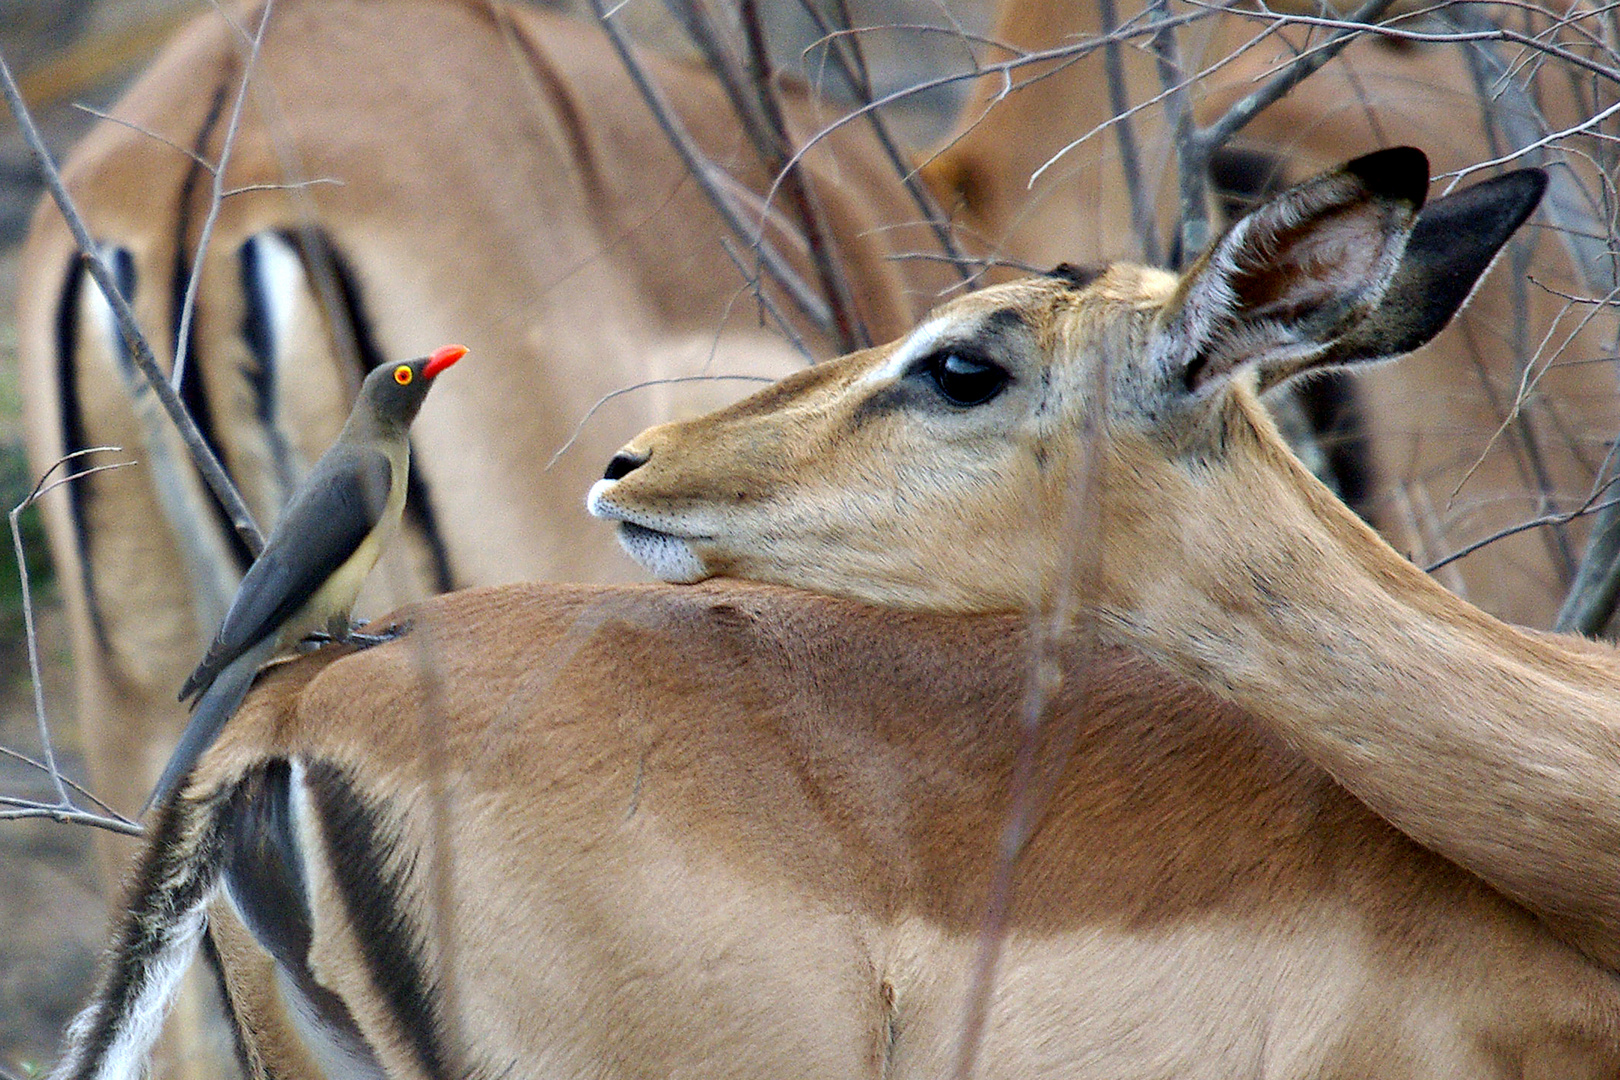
(255, 840)
(157, 936)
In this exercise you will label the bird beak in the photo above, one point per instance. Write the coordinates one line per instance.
(442, 358)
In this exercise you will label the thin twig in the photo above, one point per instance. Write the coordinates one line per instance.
(189, 304)
(22, 809)
(1215, 135)
(1130, 163)
(767, 305)
(63, 809)
(78, 788)
(644, 384)
(1523, 526)
(202, 455)
(1354, 23)
(851, 63)
(711, 178)
(106, 117)
(701, 30)
(851, 332)
(44, 485)
(1003, 71)
(1192, 152)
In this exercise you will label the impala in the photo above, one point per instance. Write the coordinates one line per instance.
(1306, 812)
(1449, 450)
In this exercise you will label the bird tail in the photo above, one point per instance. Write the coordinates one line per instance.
(217, 704)
(155, 942)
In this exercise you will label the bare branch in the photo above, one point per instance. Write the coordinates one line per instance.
(22, 809)
(767, 305)
(197, 159)
(1192, 152)
(203, 456)
(1298, 70)
(852, 65)
(1125, 133)
(851, 332)
(1591, 507)
(40, 488)
(189, 304)
(711, 178)
(63, 809)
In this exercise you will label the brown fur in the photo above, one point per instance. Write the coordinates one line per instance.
(688, 811)
(1302, 812)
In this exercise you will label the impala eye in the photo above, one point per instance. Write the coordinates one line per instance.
(964, 379)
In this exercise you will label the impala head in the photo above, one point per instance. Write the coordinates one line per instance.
(939, 471)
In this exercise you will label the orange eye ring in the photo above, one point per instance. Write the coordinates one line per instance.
(403, 375)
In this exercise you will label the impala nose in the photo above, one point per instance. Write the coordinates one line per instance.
(623, 463)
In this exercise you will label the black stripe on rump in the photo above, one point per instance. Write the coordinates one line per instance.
(264, 874)
(81, 491)
(193, 392)
(374, 876)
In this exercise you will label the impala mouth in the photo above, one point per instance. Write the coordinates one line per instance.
(667, 556)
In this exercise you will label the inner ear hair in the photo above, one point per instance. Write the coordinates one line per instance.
(1296, 274)
(1453, 244)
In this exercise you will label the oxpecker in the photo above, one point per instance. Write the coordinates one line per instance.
(304, 582)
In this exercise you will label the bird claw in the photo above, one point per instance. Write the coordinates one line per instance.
(316, 638)
(390, 633)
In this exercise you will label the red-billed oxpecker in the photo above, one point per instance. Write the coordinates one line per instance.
(304, 583)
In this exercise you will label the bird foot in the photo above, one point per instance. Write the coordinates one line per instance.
(316, 638)
(366, 641)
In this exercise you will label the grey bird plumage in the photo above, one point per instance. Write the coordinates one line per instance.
(324, 544)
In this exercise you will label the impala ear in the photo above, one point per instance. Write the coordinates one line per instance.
(1292, 278)
(1455, 240)
(1341, 269)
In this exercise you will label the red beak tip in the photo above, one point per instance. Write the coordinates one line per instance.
(442, 358)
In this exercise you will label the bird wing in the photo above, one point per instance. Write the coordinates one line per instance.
(327, 519)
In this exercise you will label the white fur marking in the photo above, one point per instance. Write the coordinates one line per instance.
(922, 341)
(127, 1056)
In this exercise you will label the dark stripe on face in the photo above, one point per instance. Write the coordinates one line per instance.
(999, 322)
(374, 878)
(340, 294)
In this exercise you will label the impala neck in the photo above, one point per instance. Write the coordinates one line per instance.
(1494, 747)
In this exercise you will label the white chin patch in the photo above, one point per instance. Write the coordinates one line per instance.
(668, 558)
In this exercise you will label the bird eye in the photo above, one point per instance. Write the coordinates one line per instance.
(403, 375)
(964, 379)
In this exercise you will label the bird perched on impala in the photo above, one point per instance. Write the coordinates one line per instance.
(304, 583)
